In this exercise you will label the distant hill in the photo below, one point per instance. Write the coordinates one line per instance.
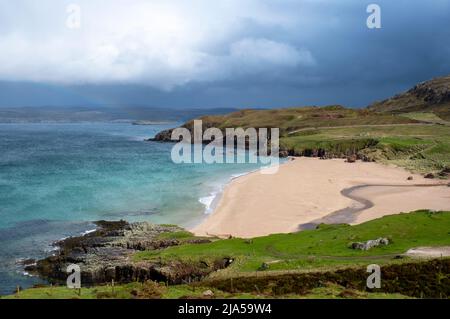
(410, 130)
(103, 114)
(295, 119)
(427, 102)
(430, 96)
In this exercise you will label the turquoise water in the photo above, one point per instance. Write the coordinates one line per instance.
(57, 178)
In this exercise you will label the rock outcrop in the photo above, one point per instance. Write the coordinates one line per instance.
(433, 92)
(107, 254)
(429, 96)
(370, 244)
(166, 136)
(163, 136)
(351, 159)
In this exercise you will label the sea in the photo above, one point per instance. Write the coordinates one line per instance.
(57, 178)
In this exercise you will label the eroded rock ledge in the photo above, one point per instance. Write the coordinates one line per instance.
(107, 254)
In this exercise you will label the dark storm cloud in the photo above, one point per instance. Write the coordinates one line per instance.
(227, 54)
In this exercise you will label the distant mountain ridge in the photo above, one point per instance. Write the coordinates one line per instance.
(429, 96)
(103, 114)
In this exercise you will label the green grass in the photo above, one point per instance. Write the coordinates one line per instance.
(122, 292)
(325, 247)
(426, 117)
(330, 291)
(295, 118)
(61, 292)
(304, 144)
(418, 141)
(176, 235)
(420, 148)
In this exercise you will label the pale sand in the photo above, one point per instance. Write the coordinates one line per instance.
(307, 189)
(429, 252)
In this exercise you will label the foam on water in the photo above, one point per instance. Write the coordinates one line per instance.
(207, 201)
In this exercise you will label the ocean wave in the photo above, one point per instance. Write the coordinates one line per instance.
(87, 232)
(208, 201)
(212, 199)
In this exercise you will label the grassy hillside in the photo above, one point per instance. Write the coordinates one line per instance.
(311, 264)
(289, 120)
(419, 142)
(421, 148)
(325, 247)
(411, 130)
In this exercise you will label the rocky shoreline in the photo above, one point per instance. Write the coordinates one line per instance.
(356, 152)
(166, 137)
(107, 254)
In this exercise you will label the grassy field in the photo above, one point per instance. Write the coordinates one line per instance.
(323, 248)
(296, 118)
(418, 141)
(308, 252)
(420, 148)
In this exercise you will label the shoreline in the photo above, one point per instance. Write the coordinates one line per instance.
(252, 206)
(217, 195)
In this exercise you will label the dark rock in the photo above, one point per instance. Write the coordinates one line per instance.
(431, 94)
(163, 136)
(410, 178)
(283, 153)
(30, 268)
(445, 172)
(351, 159)
(29, 265)
(106, 254)
(223, 263)
(429, 175)
(264, 266)
(26, 262)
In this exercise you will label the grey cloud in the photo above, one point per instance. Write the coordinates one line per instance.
(225, 53)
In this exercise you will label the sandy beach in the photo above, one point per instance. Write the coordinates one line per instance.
(307, 191)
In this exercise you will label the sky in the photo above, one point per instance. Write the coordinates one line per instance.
(221, 53)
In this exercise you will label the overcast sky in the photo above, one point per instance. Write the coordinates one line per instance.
(203, 53)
